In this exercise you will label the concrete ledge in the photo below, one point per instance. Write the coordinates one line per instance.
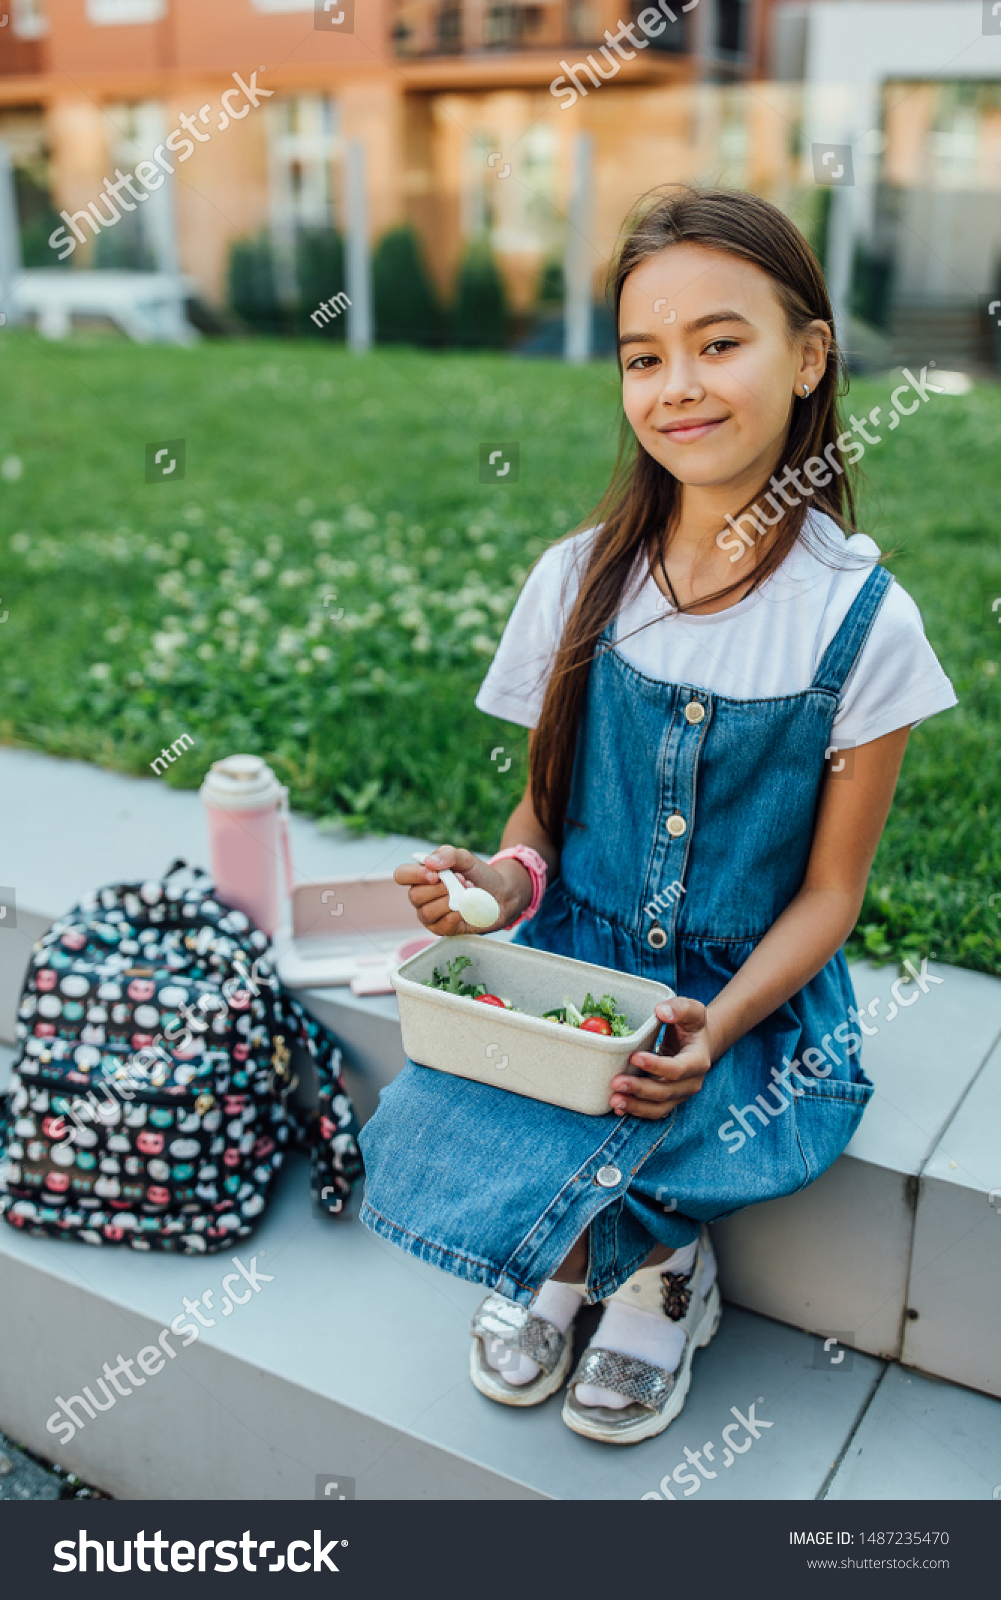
(352, 1362)
(953, 1326)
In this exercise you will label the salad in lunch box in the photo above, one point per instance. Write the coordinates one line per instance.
(602, 1016)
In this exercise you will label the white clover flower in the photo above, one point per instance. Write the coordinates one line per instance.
(199, 624)
(422, 642)
(413, 618)
(12, 468)
(483, 645)
(154, 552)
(101, 671)
(194, 567)
(359, 517)
(400, 574)
(289, 642)
(292, 577)
(168, 643)
(247, 603)
(321, 531)
(20, 543)
(471, 618)
(303, 665)
(304, 508)
(228, 619)
(274, 546)
(262, 569)
(486, 552)
(320, 653)
(205, 651)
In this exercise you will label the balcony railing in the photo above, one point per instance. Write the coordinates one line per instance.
(462, 27)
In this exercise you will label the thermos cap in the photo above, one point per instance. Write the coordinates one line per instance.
(240, 783)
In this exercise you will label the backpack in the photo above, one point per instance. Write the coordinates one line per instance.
(149, 1099)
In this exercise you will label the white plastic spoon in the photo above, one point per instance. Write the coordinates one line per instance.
(475, 906)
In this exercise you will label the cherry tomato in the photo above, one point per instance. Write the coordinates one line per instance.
(495, 1000)
(596, 1025)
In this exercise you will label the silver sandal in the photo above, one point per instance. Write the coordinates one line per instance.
(657, 1395)
(521, 1332)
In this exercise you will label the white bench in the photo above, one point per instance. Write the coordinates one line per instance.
(147, 306)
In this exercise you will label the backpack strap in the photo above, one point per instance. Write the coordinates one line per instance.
(332, 1140)
(845, 648)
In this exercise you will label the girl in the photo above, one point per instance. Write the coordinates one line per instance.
(687, 663)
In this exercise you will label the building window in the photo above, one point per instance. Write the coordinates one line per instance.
(450, 29)
(145, 239)
(730, 28)
(29, 20)
(303, 141)
(108, 13)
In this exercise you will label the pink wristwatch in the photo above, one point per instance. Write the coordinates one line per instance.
(537, 871)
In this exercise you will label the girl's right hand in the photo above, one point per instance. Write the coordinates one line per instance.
(508, 882)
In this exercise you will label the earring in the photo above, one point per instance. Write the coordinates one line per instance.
(806, 391)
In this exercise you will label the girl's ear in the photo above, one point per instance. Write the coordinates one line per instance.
(815, 346)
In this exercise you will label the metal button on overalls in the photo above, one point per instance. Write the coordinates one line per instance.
(695, 711)
(608, 1177)
(676, 825)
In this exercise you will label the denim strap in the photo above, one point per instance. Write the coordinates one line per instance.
(846, 646)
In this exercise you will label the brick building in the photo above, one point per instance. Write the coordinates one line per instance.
(452, 99)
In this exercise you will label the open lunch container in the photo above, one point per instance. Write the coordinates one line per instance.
(520, 1050)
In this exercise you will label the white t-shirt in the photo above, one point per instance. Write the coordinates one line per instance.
(767, 645)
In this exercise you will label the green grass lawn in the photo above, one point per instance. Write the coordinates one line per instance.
(319, 482)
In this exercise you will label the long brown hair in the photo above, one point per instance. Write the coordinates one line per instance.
(639, 509)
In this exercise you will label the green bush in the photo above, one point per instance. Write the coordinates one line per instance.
(251, 281)
(552, 286)
(406, 306)
(480, 316)
(320, 274)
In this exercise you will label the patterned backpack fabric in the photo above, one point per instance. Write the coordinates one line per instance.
(149, 1099)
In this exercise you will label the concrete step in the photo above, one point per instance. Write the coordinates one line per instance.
(328, 1352)
(349, 1365)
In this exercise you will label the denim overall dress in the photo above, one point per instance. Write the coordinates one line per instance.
(673, 786)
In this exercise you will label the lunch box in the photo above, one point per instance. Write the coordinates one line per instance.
(519, 1050)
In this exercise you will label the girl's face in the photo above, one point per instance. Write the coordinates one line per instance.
(710, 370)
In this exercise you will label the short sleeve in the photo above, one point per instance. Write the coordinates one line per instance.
(515, 686)
(897, 680)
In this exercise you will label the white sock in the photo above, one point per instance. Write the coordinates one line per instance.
(647, 1335)
(558, 1303)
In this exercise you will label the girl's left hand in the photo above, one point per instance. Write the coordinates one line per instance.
(673, 1078)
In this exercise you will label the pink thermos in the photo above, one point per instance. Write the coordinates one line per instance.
(248, 831)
